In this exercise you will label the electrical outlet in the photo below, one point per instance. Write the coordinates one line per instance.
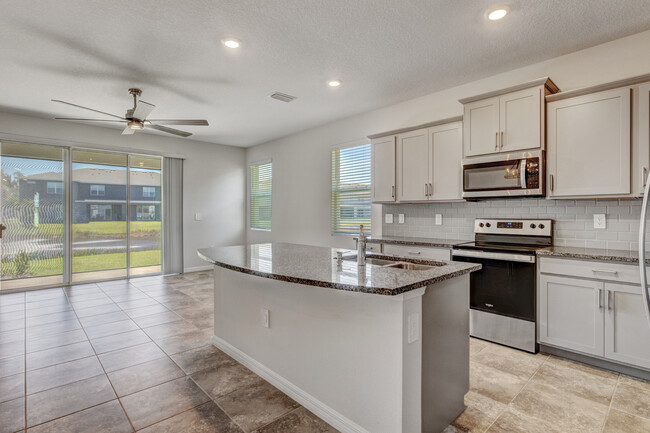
(413, 327)
(400, 218)
(265, 318)
(438, 219)
(198, 216)
(389, 218)
(600, 221)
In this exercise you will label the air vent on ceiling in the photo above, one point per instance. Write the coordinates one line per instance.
(283, 97)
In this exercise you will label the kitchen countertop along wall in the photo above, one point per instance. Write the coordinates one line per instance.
(573, 220)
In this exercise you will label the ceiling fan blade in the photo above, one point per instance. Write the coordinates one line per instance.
(86, 108)
(128, 131)
(169, 130)
(90, 120)
(142, 110)
(193, 122)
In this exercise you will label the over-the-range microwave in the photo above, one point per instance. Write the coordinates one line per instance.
(506, 175)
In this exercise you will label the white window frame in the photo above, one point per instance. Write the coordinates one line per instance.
(54, 187)
(100, 190)
(360, 142)
(249, 191)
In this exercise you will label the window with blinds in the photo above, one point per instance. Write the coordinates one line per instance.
(351, 189)
(261, 185)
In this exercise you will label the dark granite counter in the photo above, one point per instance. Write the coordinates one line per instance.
(423, 242)
(599, 254)
(316, 266)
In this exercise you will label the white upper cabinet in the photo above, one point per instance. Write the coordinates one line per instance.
(520, 117)
(482, 127)
(427, 166)
(589, 145)
(446, 143)
(644, 135)
(506, 121)
(413, 165)
(383, 169)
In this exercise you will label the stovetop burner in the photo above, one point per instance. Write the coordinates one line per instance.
(516, 235)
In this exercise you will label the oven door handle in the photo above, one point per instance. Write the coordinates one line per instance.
(522, 173)
(494, 256)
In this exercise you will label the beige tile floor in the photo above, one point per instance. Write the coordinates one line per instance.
(134, 355)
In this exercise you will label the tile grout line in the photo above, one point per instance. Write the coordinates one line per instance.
(104, 370)
(611, 402)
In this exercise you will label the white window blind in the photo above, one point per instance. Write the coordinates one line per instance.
(261, 186)
(351, 189)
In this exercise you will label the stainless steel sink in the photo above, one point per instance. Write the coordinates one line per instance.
(409, 266)
(396, 264)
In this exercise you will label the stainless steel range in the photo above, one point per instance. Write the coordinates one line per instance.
(503, 294)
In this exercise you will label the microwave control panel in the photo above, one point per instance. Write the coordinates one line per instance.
(532, 173)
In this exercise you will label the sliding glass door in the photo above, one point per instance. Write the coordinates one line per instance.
(75, 215)
(32, 213)
(145, 215)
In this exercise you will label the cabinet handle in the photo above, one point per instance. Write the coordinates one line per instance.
(501, 141)
(392, 189)
(415, 252)
(604, 271)
(610, 300)
(600, 298)
(496, 140)
(430, 189)
(426, 190)
(644, 176)
(551, 185)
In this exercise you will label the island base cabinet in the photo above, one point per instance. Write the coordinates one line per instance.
(594, 317)
(362, 362)
(627, 334)
(570, 314)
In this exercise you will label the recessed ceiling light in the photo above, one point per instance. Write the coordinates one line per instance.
(231, 42)
(334, 83)
(497, 14)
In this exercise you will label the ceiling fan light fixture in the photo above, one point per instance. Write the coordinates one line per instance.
(136, 124)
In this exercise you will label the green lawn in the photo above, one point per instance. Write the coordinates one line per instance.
(40, 268)
(93, 228)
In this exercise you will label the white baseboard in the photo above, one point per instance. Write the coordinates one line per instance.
(320, 409)
(197, 269)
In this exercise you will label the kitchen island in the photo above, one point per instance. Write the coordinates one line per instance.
(368, 349)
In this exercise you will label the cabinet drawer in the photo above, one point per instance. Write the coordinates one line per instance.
(619, 272)
(415, 251)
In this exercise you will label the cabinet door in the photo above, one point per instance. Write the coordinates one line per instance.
(383, 169)
(644, 134)
(521, 120)
(627, 334)
(446, 143)
(589, 145)
(413, 162)
(571, 313)
(481, 134)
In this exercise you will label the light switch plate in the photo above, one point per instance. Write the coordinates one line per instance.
(438, 219)
(413, 328)
(265, 318)
(389, 218)
(198, 216)
(600, 221)
(400, 218)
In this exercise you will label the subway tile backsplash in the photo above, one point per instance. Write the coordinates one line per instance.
(573, 220)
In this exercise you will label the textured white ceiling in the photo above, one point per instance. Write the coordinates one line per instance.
(384, 51)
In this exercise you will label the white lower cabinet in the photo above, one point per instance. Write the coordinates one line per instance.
(627, 334)
(415, 252)
(594, 317)
(570, 314)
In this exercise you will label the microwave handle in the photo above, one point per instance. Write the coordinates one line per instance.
(522, 173)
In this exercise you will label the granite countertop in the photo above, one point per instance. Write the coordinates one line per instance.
(423, 242)
(316, 266)
(593, 254)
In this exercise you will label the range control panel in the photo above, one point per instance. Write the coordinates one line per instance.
(528, 227)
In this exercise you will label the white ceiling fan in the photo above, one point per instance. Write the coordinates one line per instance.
(136, 117)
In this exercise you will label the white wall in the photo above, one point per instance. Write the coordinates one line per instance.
(301, 162)
(213, 183)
